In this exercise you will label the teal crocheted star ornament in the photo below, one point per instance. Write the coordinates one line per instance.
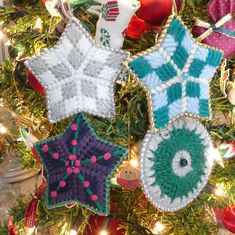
(176, 74)
(176, 163)
(79, 166)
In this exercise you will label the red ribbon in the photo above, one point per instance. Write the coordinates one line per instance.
(31, 211)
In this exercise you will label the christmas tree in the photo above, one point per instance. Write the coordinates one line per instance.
(124, 109)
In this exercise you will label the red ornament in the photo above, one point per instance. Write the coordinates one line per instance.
(43, 2)
(31, 211)
(11, 228)
(136, 27)
(34, 83)
(103, 223)
(229, 218)
(154, 12)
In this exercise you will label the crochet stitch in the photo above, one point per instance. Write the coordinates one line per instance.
(78, 75)
(175, 163)
(176, 74)
(79, 166)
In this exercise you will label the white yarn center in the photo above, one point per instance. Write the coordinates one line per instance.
(179, 169)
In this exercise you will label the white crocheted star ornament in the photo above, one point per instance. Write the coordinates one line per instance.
(78, 75)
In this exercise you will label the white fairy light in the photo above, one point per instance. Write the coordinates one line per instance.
(8, 43)
(103, 232)
(73, 232)
(215, 156)
(158, 227)
(134, 163)
(220, 190)
(30, 231)
(3, 129)
(38, 23)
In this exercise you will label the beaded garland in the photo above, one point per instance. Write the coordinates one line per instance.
(176, 74)
(78, 75)
(175, 163)
(79, 166)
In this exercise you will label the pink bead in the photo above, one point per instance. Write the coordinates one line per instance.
(94, 197)
(77, 163)
(45, 148)
(69, 170)
(74, 142)
(93, 159)
(67, 163)
(54, 194)
(72, 157)
(107, 156)
(55, 155)
(74, 127)
(76, 170)
(86, 184)
(62, 183)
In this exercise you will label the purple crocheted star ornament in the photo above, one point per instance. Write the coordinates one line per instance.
(79, 166)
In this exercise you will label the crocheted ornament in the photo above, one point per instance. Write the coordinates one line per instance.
(79, 166)
(176, 74)
(175, 163)
(77, 75)
(222, 31)
(113, 20)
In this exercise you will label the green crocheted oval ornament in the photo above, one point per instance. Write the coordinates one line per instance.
(175, 164)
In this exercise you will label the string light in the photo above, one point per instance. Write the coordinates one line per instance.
(30, 231)
(220, 190)
(158, 227)
(103, 232)
(134, 163)
(8, 43)
(38, 23)
(3, 129)
(73, 232)
(215, 156)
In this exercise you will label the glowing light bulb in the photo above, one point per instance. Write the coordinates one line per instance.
(8, 43)
(220, 190)
(103, 232)
(73, 232)
(158, 227)
(30, 231)
(1, 34)
(215, 156)
(3, 129)
(134, 163)
(38, 23)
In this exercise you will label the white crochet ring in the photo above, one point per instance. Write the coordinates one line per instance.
(78, 75)
(175, 164)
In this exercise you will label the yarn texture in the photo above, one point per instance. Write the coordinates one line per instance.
(113, 20)
(176, 163)
(78, 75)
(79, 166)
(176, 74)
